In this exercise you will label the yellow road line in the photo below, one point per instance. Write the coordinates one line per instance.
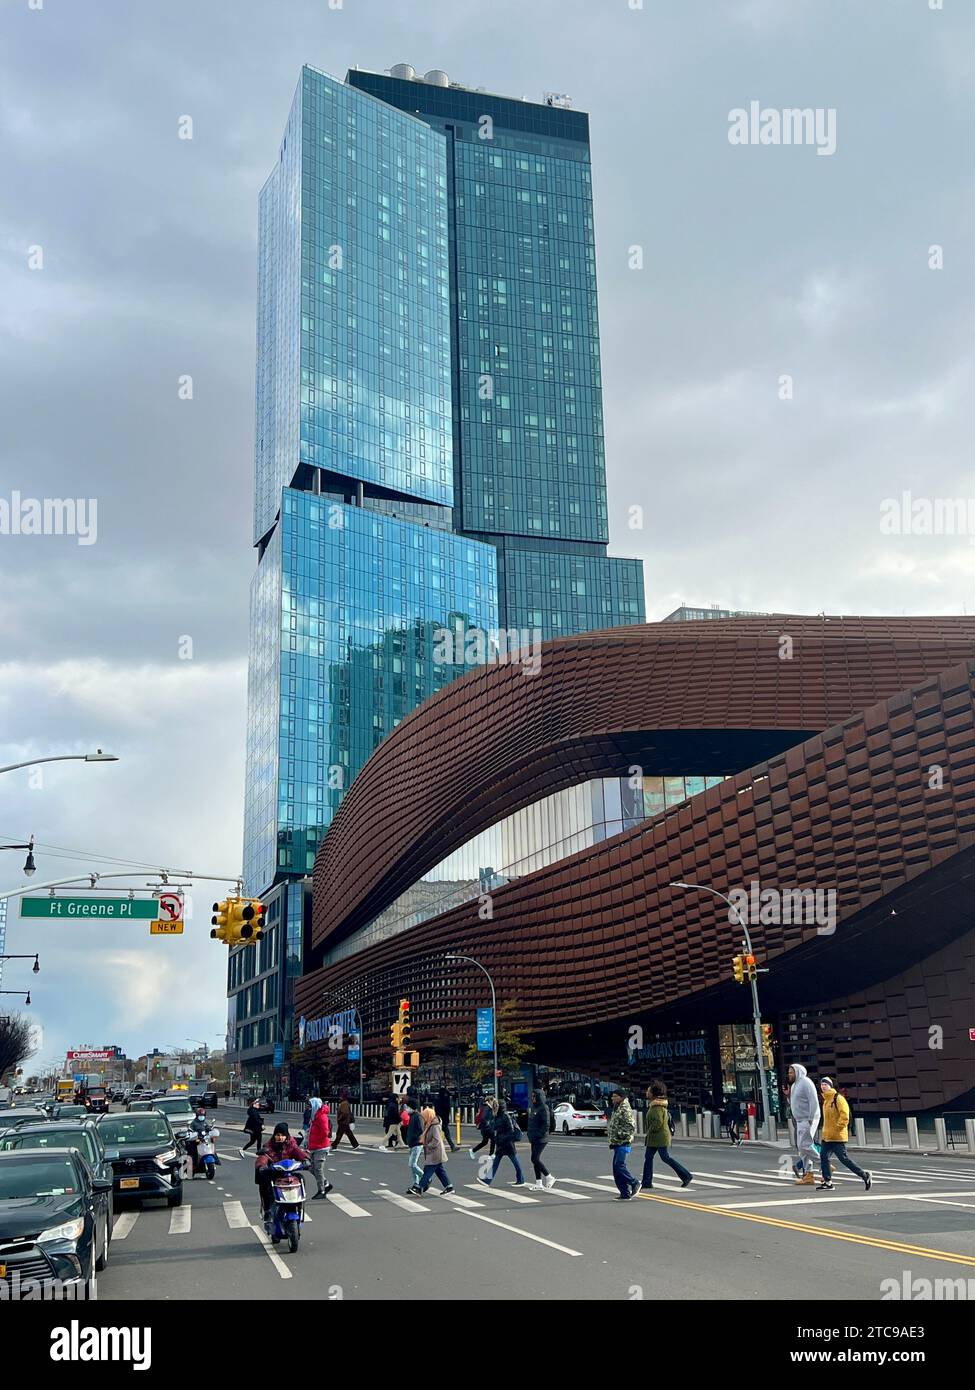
(899, 1247)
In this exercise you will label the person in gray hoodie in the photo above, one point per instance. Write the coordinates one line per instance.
(804, 1104)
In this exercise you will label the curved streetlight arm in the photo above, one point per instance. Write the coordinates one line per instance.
(98, 757)
(494, 1011)
(94, 878)
(756, 1011)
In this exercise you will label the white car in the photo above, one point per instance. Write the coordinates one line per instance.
(584, 1118)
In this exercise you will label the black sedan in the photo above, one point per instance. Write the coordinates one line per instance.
(147, 1161)
(50, 1227)
(82, 1135)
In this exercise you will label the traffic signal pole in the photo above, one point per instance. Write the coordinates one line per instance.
(756, 1011)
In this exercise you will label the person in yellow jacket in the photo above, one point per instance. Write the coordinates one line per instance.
(836, 1132)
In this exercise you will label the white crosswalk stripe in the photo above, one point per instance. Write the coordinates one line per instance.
(235, 1214)
(558, 1191)
(460, 1201)
(179, 1220)
(505, 1193)
(406, 1203)
(346, 1206)
(123, 1224)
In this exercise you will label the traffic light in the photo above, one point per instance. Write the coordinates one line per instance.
(222, 920)
(405, 1025)
(751, 967)
(238, 921)
(396, 1036)
(252, 919)
(739, 968)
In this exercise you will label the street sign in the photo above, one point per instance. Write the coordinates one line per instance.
(354, 1049)
(279, 1054)
(401, 1082)
(105, 909)
(170, 907)
(165, 928)
(485, 1030)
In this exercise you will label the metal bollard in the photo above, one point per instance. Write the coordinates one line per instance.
(913, 1141)
(752, 1127)
(885, 1140)
(970, 1135)
(941, 1134)
(700, 1124)
(639, 1121)
(773, 1129)
(683, 1124)
(860, 1127)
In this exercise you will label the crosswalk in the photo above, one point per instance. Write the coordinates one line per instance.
(945, 1182)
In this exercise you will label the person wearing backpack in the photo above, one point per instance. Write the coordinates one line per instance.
(506, 1136)
(658, 1133)
(836, 1132)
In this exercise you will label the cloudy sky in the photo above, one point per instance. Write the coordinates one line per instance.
(127, 262)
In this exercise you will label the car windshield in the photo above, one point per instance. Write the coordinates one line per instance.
(135, 1129)
(51, 1139)
(50, 1177)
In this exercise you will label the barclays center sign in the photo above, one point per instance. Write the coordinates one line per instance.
(334, 1029)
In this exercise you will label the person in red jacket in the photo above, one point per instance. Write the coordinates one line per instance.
(279, 1146)
(319, 1142)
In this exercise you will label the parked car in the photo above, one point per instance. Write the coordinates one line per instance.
(50, 1227)
(22, 1115)
(584, 1118)
(82, 1135)
(148, 1162)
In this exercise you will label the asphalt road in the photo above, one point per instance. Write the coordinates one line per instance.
(742, 1230)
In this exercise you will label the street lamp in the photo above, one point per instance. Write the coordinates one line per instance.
(97, 757)
(18, 991)
(756, 1011)
(30, 868)
(36, 966)
(494, 1012)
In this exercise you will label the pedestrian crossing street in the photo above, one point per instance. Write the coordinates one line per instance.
(940, 1183)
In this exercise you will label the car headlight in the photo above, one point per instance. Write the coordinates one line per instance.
(70, 1230)
(163, 1160)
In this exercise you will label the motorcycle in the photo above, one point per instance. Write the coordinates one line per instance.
(202, 1151)
(284, 1217)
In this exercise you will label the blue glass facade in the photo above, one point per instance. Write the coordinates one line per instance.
(529, 461)
(428, 446)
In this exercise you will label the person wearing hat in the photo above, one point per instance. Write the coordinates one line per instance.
(280, 1146)
(622, 1128)
(836, 1132)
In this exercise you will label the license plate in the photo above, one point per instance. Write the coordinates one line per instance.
(129, 1182)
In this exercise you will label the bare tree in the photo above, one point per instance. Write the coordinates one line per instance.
(15, 1042)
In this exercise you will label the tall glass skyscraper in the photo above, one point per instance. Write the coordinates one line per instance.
(428, 451)
(529, 463)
